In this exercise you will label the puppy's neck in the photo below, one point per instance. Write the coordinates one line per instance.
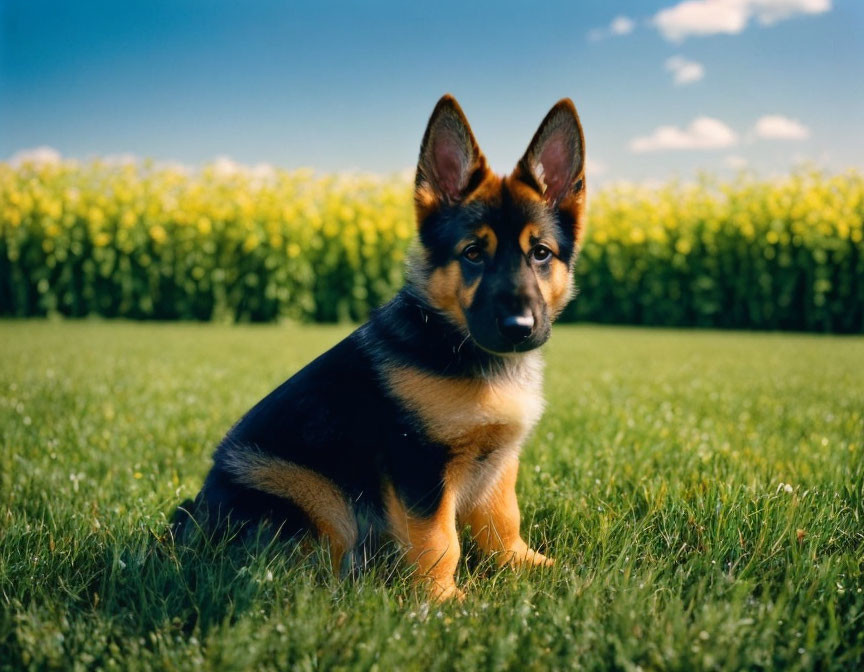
(409, 332)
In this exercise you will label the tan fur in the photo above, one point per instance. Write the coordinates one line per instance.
(426, 201)
(573, 204)
(321, 500)
(557, 288)
(475, 418)
(431, 544)
(488, 191)
(466, 294)
(488, 239)
(531, 235)
(519, 190)
(495, 522)
(446, 291)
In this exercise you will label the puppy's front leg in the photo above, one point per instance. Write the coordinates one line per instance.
(495, 523)
(431, 543)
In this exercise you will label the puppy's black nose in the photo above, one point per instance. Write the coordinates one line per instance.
(516, 328)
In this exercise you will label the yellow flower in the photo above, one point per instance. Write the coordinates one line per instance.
(251, 242)
(158, 234)
(96, 217)
(683, 246)
(128, 219)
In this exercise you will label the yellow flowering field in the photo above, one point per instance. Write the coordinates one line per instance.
(770, 254)
(146, 241)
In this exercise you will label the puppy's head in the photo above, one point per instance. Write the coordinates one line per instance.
(498, 252)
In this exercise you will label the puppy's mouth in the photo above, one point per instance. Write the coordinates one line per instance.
(505, 349)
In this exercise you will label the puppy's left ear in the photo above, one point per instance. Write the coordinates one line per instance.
(554, 163)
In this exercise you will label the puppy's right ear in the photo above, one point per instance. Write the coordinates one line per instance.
(451, 164)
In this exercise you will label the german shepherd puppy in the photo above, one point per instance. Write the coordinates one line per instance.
(413, 423)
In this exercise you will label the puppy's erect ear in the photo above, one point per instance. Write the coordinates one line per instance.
(554, 162)
(451, 164)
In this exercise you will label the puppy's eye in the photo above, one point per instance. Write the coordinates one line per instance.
(541, 253)
(473, 253)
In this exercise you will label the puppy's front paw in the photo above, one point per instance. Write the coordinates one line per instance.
(534, 559)
(522, 556)
(444, 593)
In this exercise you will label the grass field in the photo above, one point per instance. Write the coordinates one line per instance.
(702, 492)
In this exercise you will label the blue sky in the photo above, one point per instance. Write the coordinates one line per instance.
(349, 86)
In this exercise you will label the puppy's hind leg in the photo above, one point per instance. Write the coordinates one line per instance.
(326, 506)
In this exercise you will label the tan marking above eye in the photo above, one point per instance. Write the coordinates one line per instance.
(531, 236)
(490, 241)
(484, 237)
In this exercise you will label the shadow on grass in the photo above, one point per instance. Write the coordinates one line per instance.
(196, 580)
(199, 580)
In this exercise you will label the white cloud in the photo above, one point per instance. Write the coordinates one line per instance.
(736, 162)
(701, 17)
(771, 11)
(684, 71)
(702, 133)
(712, 17)
(36, 155)
(620, 25)
(778, 127)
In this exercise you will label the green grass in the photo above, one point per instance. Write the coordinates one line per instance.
(701, 491)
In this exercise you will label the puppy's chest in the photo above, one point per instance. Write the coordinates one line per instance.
(473, 417)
